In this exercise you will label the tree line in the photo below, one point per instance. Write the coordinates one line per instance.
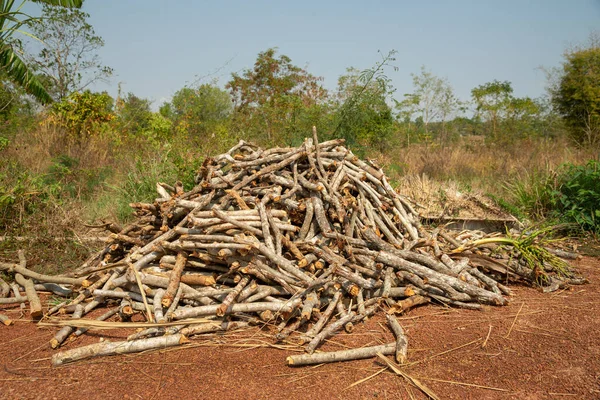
(275, 101)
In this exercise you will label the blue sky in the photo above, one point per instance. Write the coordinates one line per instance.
(158, 46)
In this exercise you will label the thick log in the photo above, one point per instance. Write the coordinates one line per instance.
(320, 215)
(308, 218)
(174, 279)
(342, 355)
(35, 305)
(113, 348)
(65, 331)
(16, 268)
(5, 320)
(118, 294)
(311, 301)
(13, 300)
(407, 304)
(231, 296)
(201, 311)
(210, 327)
(328, 331)
(4, 288)
(198, 279)
(401, 340)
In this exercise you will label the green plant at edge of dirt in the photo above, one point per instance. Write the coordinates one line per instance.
(531, 248)
(577, 198)
(533, 193)
(507, 206)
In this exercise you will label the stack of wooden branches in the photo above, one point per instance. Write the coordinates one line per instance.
(307, 240)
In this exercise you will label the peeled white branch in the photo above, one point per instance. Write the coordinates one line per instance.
(343, 355)
(113, 348)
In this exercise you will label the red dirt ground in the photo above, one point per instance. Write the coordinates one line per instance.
(541, 346)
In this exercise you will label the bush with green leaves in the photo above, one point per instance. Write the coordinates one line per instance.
(577, 197)
(82, 112)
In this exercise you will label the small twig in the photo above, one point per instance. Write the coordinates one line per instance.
(486, 338)
(366, 379)
(466, 384)
(396, 368)
(514, 321)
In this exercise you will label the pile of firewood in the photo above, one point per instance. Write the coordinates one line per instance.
(308, 240)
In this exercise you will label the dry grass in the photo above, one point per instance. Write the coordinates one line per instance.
(36, 149)
(476, 164)
(435, 198)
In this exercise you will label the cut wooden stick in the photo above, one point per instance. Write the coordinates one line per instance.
(174, 279)
(4, 288)
(65, 331)
(231, 296)
(41, 277)
(5, 320)
(35, 305)
(338, 356)
(235, 308)
(401, 340)
(316, 328)
(328, 331)
(113, 348)
(404, 305)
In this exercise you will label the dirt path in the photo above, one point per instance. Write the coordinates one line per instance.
(541, 346)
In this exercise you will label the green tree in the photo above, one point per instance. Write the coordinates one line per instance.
(406, 110)
(272, 97)
(492, 100)
(199, 111)
(134, 114)
(364, 115)
(82, 112)
(433, 99)
(577, 94)
(69, 55)
(11, 21)
(522, 117)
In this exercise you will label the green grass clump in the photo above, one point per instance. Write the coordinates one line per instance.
(138, 184)
(533, 193)
(569, 195)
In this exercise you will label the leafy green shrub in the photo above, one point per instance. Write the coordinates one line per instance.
(577, 198)
(82, 112)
